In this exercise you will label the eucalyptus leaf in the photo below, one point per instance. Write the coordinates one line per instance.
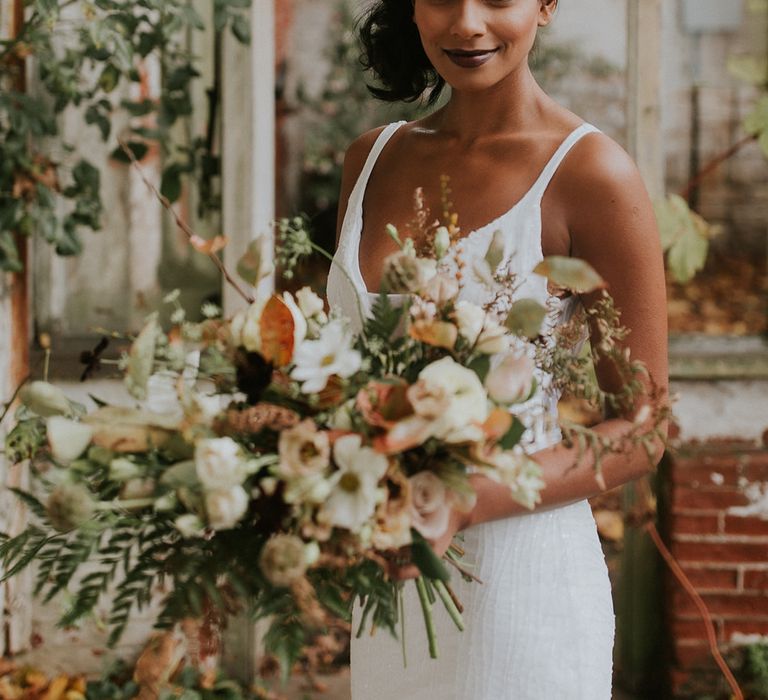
(525, 318)
(141, 358)
(573, 274)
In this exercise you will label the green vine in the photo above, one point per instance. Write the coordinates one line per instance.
(84, 54)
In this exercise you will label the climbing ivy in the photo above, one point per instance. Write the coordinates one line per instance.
(81, 54)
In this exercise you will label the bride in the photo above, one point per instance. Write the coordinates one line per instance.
(541, 625)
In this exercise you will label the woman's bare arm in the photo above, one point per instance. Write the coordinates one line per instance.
(612, 226)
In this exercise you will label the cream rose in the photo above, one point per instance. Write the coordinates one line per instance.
(511, 380)
(467, 402)
(225, 508)
(219, 463)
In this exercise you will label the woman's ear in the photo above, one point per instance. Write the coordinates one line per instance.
(547, 12)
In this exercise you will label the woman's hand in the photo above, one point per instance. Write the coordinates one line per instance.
(400, 568)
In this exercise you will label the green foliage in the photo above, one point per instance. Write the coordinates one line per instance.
(685, 237)
(83, 55)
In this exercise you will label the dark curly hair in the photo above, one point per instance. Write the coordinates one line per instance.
(391, 48)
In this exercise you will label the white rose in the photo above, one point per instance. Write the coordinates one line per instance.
(511, 379)
(123, 469)
(225, 508)
(470, 319)
(310, 304)
(467, 402)
(219, 463)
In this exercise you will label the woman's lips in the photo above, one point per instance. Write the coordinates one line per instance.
(470, 59)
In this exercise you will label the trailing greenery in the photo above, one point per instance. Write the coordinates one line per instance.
(90, 55)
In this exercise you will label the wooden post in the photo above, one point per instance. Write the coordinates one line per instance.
(638, 617)
(644, 87)
(248, 141)
(15, 599)
(248, 192)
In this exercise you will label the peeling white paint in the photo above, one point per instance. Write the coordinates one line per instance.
(757, 493)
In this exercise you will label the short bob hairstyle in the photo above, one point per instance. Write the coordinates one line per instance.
(391, 48)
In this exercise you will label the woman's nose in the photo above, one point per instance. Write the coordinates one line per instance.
(468, 21)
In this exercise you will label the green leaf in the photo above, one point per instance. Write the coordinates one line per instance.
(138, 109)
(684, 236)
(570, 273)
(9, 255)
(241, 29)
(513, 435)
(525, 318)
(481, 365)
(750, 69)
(109, 78)
(170, 186)
(756, 121)
(425, 559)
(138, 149)
(251, 266)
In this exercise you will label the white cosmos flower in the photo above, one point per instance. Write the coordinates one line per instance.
(467, 400)
(317, 360)
(355, 485)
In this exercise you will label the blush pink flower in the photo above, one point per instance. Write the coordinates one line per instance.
(430, 505)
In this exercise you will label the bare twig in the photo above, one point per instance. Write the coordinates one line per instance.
(8, 405)
(711, 636)
(713, 164)
(183, 226)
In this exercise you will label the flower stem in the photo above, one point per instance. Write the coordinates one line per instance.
(125, 504)
(429, 622)
(450, 606)
(401, 606)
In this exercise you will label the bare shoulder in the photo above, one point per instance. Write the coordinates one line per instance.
(598, 165)
(603, 196)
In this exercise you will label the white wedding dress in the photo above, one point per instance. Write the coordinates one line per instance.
(541, 625)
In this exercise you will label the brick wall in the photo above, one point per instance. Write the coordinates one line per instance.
(717, 529)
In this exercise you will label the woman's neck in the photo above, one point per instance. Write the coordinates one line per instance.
(516, 103)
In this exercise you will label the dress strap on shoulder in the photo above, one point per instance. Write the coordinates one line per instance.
(540, 186)
(370, 161)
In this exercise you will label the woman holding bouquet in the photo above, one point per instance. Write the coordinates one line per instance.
(541, 625)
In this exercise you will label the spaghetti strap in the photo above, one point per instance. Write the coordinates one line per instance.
(541, 184)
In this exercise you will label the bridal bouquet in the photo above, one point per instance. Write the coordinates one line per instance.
(280, 461)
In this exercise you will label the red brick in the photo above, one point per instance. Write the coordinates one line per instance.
(721, 552)
(756, 580)
(695, 524)
(707, 499)
(712, 579)
(694, 630)
(721, 604)
(691, 654)
(731, 627)
(731, 462)
(736, 525)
